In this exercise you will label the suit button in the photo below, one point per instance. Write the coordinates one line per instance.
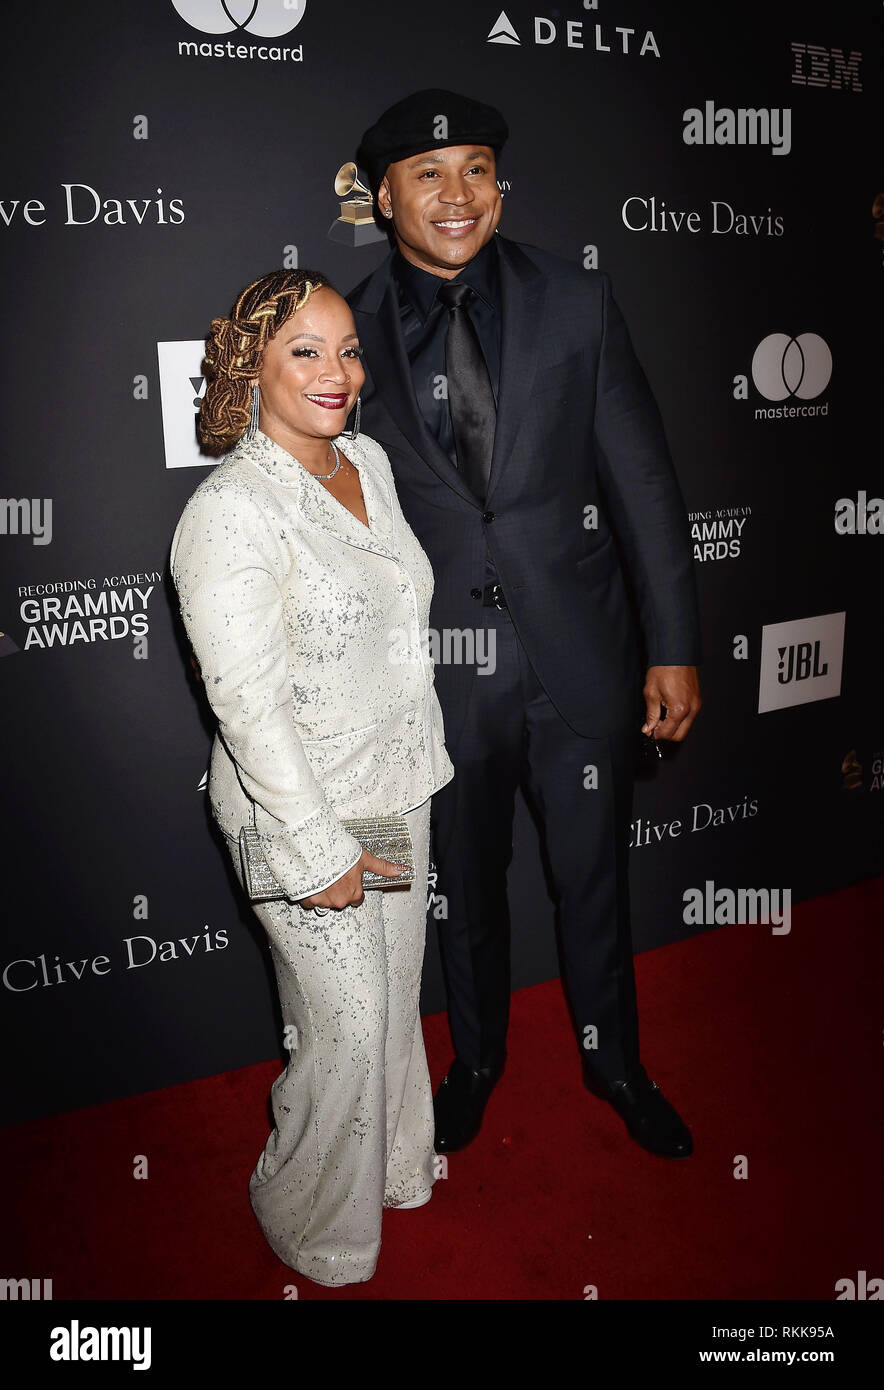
(487, 516)
(475, 593)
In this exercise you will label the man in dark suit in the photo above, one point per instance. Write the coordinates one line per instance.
(524, 438)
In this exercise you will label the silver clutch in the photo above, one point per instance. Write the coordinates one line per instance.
(386, 837)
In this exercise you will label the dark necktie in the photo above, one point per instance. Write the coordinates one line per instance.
(470, 397)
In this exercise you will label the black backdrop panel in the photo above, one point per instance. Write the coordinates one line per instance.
(147, 177)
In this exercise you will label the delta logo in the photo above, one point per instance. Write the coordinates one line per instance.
(598, 38)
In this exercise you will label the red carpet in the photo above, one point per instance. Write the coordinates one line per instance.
(770, 1047)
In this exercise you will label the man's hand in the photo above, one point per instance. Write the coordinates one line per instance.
(677, 690)
(348, 891)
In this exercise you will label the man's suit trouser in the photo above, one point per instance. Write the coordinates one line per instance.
(511, 732)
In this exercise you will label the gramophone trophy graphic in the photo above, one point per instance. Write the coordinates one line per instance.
(356, 225)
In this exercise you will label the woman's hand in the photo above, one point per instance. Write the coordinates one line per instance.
(348, 891)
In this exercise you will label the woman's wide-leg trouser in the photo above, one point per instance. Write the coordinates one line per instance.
(353, 1110)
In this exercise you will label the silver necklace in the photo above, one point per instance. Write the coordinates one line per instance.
(326, 476)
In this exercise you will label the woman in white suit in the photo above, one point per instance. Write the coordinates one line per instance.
(305, 596)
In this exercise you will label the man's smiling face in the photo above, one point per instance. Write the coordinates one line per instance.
(446, 206)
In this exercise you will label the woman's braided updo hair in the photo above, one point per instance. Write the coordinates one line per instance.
(235, 351)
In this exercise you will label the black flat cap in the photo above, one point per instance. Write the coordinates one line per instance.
(428, 120)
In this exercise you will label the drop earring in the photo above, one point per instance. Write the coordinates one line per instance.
(252, 428)
(351, 434)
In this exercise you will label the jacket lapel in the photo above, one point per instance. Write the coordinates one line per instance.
(320, 509)
(380, 332)
(523, 297)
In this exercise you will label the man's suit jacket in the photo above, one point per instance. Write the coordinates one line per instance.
(308, 627)
(577, 427)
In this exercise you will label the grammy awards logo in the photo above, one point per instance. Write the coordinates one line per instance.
(356, 225)
(851, 772)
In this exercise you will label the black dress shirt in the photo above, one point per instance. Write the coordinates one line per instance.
(425, 327)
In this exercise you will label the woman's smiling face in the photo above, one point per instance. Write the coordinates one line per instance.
(311, 372)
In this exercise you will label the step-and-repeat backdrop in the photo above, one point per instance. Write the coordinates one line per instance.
(161, 154)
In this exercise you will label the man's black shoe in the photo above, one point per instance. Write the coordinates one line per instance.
(649, 1118)
(459, 1105)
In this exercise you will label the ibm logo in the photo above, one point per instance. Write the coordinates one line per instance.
(814, 66)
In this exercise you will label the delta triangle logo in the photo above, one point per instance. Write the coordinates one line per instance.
(502, 31)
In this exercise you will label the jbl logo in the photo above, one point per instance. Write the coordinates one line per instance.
(800, 662)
